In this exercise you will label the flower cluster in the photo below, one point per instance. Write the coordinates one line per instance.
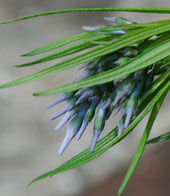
(101, 101)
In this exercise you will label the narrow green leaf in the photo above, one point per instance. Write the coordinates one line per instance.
(144, 101)
(161, 138)
(143, 10)
(58, 44)
(142, 143)
(123, 41)
(90, 42)
(152, 92)
(80, 36)
(109, 137)
(166, 63)
(86, 156)
(138, 63)
(150, 44)
(68, 51)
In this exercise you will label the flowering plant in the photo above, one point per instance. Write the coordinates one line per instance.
(125, 71)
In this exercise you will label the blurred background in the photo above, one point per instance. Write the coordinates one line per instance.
(28, 143)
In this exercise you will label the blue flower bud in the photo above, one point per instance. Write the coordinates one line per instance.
(132, 103)
(130, 52)
(87, 92)
(65, 119)
(120, 95)
(96, 134)
(86, 73)
(110, 99)
(88, 28)
(88, 116)
(99, 124)
(73, 128)
(122, 61)
(67, 107)
(114, 31)
(119, 20)
(61, 98)
(121, 126)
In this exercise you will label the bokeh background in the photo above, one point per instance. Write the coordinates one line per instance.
(28, 144)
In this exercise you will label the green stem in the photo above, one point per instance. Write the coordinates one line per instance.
(143, 10)
(142, 143)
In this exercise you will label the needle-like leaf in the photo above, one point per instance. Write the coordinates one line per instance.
(161, 138)
(138, 63)
(143, 142)
(143, 10)
(86, 156)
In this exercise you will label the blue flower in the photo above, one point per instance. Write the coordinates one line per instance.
(103, 101)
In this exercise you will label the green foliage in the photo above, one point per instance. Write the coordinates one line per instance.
(57, 44)
(143, 10)
(107, 142)
(123, 41)
(143, 142)
(138, 63)
(152, 52)
(161, 138)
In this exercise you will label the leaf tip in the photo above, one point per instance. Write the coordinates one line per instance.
(17, 66)
(27, 54)
(36, 94)
(23, 55)
(29, 184)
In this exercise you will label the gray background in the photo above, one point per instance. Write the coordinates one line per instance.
(28, 144)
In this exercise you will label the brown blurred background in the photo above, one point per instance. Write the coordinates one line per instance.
(28, 144)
